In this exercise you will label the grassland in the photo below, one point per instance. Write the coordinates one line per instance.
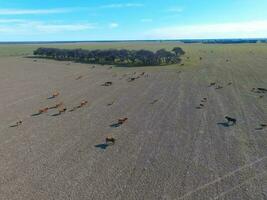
(167, 149)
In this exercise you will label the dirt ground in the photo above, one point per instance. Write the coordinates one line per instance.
(168, 149)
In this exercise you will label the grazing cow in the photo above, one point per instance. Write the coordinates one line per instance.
(83, 103)
(110, 140)
(219, 87)
(212, 84)
(204, 100)
(79, 77)
(62, 110)
(55, 94)
(142, 74)
(110, 104)
(43, 110)
(230, 83)
(122, 120)
(230, 120)
(109, 83)
(18, 122)
(57, 105)
(133, 78)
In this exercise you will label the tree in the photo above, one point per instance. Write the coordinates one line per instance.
(113, 56)
(178, 51)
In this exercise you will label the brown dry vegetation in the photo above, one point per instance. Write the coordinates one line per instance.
(167, 149)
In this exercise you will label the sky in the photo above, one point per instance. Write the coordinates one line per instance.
(96, 20)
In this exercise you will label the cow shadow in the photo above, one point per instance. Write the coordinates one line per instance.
(73, 109)
(102, 146)
(13, 126)
(56, 114)
(115, 125)
(153, 102)
(36, 114)
(224, 124)
(51, 97)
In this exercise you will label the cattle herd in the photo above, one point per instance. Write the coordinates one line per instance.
(110, 140)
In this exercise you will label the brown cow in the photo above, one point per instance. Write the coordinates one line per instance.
(43, 110)
(83, 103)
(57, 105)
(122, 120)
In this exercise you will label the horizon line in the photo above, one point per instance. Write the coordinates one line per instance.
(130, 40)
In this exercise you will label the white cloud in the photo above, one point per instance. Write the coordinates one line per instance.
(121, 5)
(146, 20)
(113, 25)
(53, 28)
(37, 27)
(251, 29)
(33, 11)
(175, 9)
(2, 21)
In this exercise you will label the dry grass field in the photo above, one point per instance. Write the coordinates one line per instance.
(167, 149)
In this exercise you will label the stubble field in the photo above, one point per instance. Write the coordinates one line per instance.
(168, 149)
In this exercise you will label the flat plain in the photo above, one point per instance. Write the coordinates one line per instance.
(168, 149)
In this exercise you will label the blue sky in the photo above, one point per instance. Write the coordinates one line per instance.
(50, 20)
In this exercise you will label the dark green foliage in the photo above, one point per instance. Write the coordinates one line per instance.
(113, 56)
(178, 51)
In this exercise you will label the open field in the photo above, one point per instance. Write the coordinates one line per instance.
(167, 149)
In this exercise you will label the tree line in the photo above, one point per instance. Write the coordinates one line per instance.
(225, 41)
(114, 56)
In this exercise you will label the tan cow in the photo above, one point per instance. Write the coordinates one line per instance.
(55, 94)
